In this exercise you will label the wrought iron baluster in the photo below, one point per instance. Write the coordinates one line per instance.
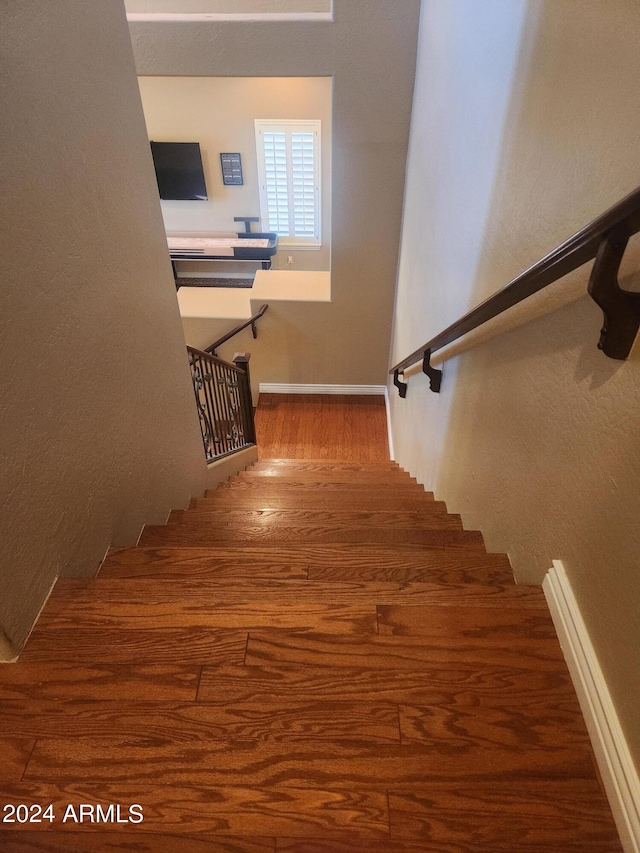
(234, 408)
(211, 409)
(223, 402)
(204, 417)
(241, 361)
(220, 410)
(228, 410)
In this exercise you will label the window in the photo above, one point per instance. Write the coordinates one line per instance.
(289, 176)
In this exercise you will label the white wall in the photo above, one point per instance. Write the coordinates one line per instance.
(525, 127)
(219, 113)
(98, 424)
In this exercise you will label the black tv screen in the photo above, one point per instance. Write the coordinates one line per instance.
(179, 170)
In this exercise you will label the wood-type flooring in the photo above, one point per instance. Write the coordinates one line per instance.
(322, 426)
(314, 658)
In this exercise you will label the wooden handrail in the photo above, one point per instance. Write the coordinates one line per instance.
(604, 239)
(250, 322)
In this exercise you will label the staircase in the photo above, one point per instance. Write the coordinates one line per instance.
(314, 658)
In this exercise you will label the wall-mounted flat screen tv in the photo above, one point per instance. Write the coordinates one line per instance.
(179, 171)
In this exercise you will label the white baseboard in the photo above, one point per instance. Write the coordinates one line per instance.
(619, 776)
(274, 388)
(392, 455)
(222, 273)
(13, 658)
(225, 17)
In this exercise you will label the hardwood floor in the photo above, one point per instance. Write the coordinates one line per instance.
(322, 427)
(315, 658)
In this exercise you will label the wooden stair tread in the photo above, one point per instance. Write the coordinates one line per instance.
(412, 813)
(322, 518)
(123, 840)
(326, 464)
(446, 642)
(219, 560)
(132, 591)
(403, 563)
(373, 722)
(14, 756)
(366, 475)
(197, 534)
(222, 763)
(518, 719)
(184, 613)
(298, 483)
(321, 562)
(518, 724)
(308, 499)
(571, 828)
(117, 642)
(334, 473)
(313, 658)
(195, 808)
(317, 554)
(417, 620)
(315, 516)
(33, 679)
(427, 683)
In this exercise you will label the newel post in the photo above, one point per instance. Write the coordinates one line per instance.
(241, 361)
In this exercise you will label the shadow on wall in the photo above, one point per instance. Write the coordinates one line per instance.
(534, 436)
(472, 67)
(551, 180)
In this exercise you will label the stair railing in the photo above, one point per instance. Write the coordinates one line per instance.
(604, 239)
(250, 322)
(223, 400)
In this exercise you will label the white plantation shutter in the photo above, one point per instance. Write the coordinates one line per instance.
(303, 185)
(275, 164)
(289, 175)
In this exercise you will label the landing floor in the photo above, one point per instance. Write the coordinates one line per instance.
(322, 426)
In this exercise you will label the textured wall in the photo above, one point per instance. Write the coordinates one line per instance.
(535, 435)
(369, 50)
(99, 432)
(219, 113)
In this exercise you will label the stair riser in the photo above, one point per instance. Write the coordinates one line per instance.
(188, 534)
(314, 485)
(292, 513)
(312, 478)
(343, 554)
(302, 476)
(409, 521)
(282, 465)
(322, 563)
(130, 592)
(292, 499)
(326, 466)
